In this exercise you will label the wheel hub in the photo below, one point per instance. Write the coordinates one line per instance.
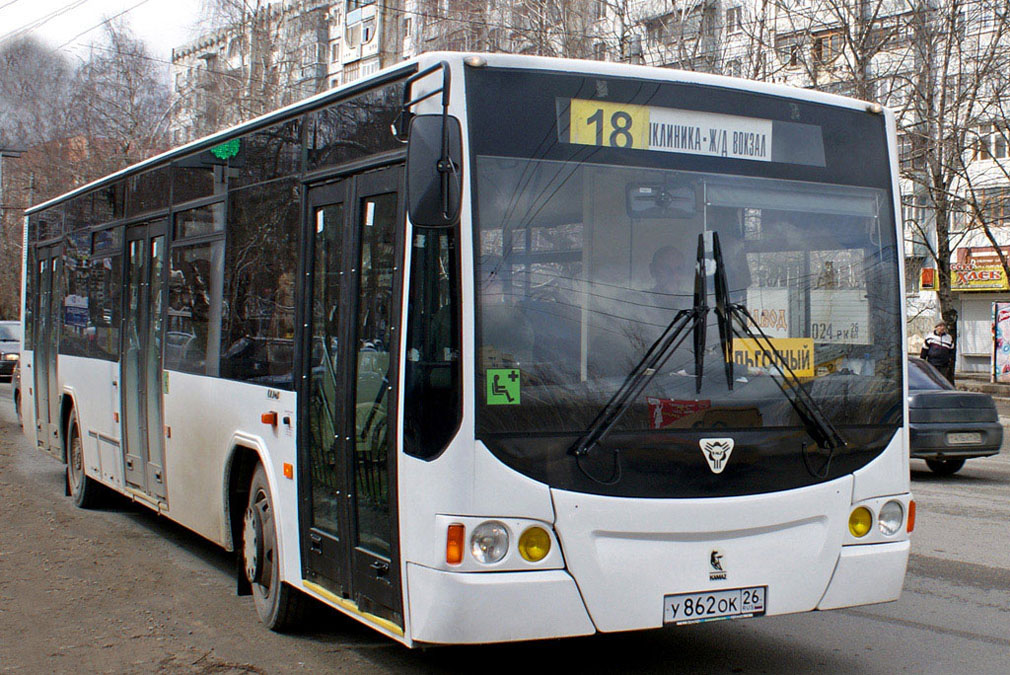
(252, 536)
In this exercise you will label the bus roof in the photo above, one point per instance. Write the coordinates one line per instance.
(404, 69)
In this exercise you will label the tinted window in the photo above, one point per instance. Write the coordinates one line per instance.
(258, 329)
(921, 376)
(76, 310)
(353, 128)
(432, 404)
(198, 176)
(199, 221)
(50, 223)
(29, 298)
(274, 152)
(148, 191)
(110, 203)
(104, 294)
(194, 308)
(79, 213)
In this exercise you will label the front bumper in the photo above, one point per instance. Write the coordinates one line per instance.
(459, 607)
(929, 441)
(867, 574)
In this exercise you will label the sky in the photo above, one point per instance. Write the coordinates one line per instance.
(73, 24)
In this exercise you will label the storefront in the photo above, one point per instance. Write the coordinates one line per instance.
(977, 280)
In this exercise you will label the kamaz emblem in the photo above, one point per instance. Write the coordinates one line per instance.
(273, 394)
(717, 452)
(718, 572)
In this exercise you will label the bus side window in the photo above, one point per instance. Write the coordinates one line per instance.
(432, 396)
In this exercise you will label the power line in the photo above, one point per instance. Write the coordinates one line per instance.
(41, 21)
(102, 23)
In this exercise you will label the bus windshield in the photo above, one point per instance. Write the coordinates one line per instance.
(581, 264)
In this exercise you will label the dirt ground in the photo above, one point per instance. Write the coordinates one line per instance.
(121, 590)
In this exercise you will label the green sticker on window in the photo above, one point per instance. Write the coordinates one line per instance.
(503, 386)
(228, 149)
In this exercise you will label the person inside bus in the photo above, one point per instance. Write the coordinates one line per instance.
(672, 277)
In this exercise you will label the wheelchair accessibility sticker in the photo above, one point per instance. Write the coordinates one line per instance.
(502, 386)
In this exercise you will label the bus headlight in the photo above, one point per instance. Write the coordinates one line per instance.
(489, 542)
(534, 544)
(890, 517)
(860, 521)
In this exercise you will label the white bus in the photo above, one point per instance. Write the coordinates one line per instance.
(487, 347)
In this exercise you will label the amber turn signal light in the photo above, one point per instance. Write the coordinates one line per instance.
(454, 544)
(911, 515)
(269, 418)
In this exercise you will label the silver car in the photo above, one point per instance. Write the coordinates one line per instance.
(10, 348)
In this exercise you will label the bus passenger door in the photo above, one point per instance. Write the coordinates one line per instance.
(321, 400)
(47, 346)
(140, 360)
(349, 398)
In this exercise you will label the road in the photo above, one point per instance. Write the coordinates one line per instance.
(121, 590)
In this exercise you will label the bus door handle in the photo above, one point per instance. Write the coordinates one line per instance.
(381, 568)
(315, 543)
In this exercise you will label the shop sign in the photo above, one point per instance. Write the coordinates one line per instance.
(978, 269)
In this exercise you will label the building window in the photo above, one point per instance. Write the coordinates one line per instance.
(601, 9)
(999, 141)
(335, 51)
(788, 49)
(600, 51)
(827, 47)
(734, 20)
(981, 150)
(994, 206)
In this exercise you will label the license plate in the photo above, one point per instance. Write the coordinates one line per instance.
(711, 605)
(964, 438)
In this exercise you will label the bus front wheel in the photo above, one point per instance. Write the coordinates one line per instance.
(278, 605)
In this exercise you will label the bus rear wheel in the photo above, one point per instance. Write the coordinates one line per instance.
(278, 605)
(85, 491)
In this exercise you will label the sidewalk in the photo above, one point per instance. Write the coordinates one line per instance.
(980, 382)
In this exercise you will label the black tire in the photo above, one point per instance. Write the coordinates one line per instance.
(85, 492)
(279, 606)
(945, 467)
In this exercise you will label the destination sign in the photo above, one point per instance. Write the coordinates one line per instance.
(622, 125)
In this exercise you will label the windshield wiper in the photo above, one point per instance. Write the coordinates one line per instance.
(816, 422)
(655, 358)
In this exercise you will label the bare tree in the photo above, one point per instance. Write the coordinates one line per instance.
(75, 124)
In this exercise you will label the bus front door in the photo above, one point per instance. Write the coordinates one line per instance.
(47, 347)
(140, 359)
(348, 394)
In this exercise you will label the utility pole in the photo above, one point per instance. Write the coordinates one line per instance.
(13, 154)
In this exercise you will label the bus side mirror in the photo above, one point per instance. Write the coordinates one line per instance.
(434, 163)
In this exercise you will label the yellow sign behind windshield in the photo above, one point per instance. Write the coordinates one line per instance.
(797, 352)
